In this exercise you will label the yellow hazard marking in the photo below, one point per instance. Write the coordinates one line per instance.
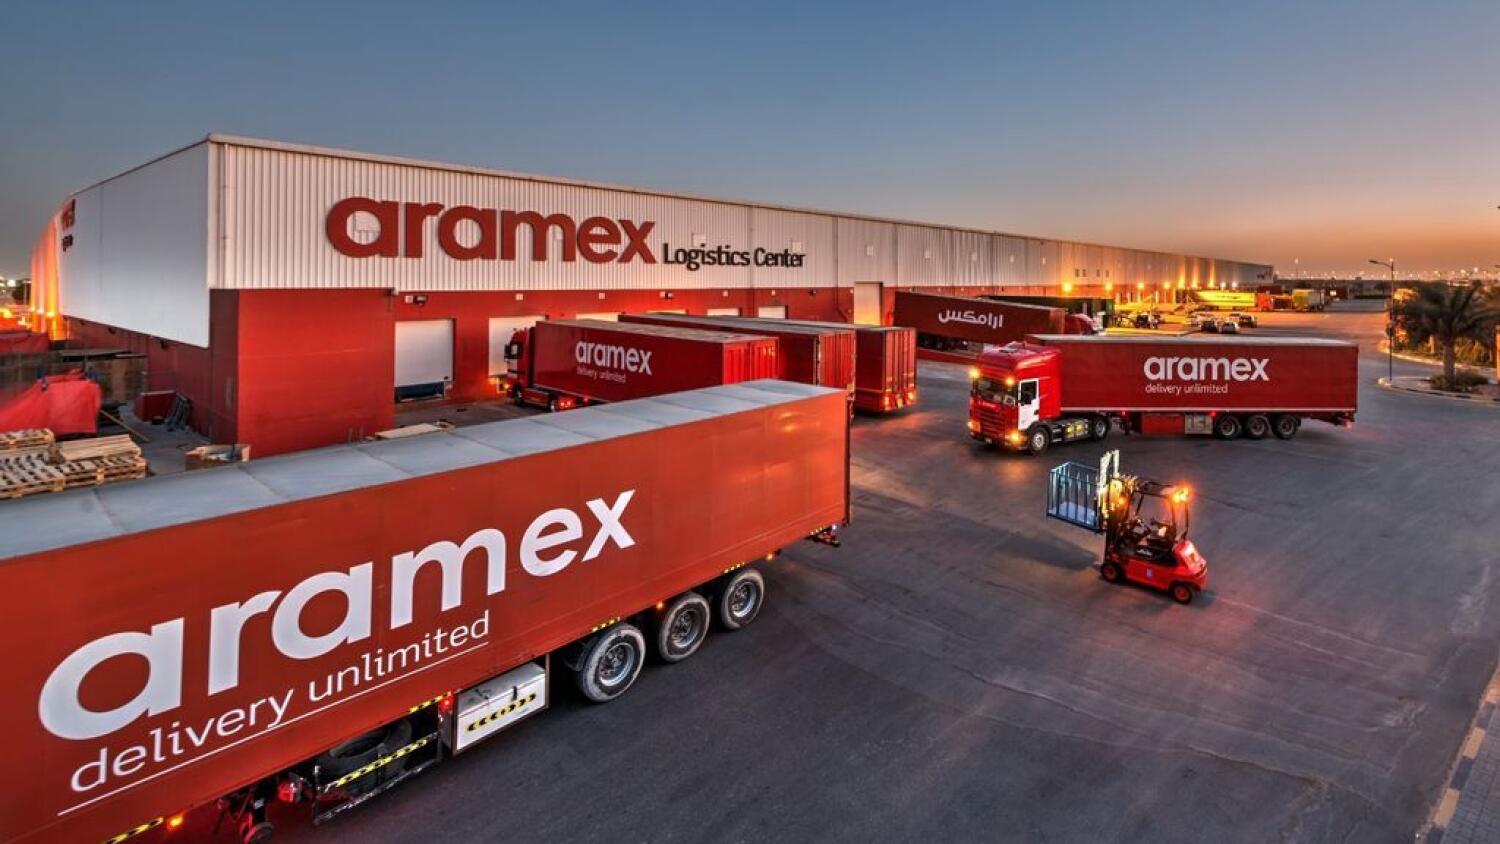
(134, 831)
(501, 712)
(1471, 745)
(1446, 808)
(379, 763)
(426, 703)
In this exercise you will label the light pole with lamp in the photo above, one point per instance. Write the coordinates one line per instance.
(1390, 320)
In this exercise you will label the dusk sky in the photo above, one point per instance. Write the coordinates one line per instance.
(1329, 132)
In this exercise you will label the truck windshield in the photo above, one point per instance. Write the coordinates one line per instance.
(990, 389)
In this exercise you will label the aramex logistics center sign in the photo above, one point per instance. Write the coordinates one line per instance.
(490, 234)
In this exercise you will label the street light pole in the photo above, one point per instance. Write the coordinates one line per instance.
(1390, 320)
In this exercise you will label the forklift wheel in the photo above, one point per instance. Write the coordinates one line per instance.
(1182, 593)
(1111, 573)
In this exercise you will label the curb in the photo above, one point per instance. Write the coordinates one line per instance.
(1458, 777)
(1385, 383)
(1403, 356)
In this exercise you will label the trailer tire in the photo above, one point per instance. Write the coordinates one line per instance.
(1098, 428)
(552, 404)
(1285, 426)
(682, 627)
(740, 600)
(1182, 593)
(1227, 426)
(1257, 427)
(258, 834)
(1038, 439)
(611, 662)
(363, 749)
(1111, 573)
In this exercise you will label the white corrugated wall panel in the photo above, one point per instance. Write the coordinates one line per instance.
(275, 203)
(924, 256)
(810, 234)
(866, 251)
(971, 259)
(139, 254)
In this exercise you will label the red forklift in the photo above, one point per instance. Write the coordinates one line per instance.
(1144, 524)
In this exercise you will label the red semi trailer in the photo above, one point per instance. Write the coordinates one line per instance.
(564, 363)
(885, 361)
(960, 323)
(314, 628)
(1054, 388)
(809, 355)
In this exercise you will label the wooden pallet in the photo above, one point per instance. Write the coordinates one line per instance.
(120, 467)
(81, 473)
(18, 478)
(26, 438)
(118, 445)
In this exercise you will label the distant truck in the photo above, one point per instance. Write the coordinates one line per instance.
(885, 361)
(1055, 389)
(965, 324)
(1309, 300)
(809, 354)
(313, 629)
(565, 363)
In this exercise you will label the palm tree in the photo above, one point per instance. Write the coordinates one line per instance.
(1449, 313)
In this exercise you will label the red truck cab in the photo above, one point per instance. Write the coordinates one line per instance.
(1015, 390)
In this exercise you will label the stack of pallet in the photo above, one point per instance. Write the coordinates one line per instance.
(26, 463)
(30, 462)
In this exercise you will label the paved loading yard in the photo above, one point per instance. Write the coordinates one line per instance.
(957, 669)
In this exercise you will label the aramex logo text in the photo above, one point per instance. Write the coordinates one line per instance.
(1206, 369)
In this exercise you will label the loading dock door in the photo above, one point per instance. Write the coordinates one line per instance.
(424, 358)
(867, 303)
(607, 316)
(723, 311)
(501, 327)
(771, 311)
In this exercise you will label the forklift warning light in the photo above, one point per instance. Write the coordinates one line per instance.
(1181, 495)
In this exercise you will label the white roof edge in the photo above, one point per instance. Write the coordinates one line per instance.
(336, 152)
(143, 165)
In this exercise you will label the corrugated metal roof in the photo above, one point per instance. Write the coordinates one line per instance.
(59, 520)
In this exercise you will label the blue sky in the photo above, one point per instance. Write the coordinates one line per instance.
(1329, 132)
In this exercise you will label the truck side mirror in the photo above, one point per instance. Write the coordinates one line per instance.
(513, 350)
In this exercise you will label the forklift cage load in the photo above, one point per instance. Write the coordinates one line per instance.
(1102, 500)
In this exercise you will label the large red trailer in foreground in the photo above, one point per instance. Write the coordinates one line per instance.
(809, 355)
(563, 363)
(1055, 388)
(314, 628)
(960, 323)
(885, 361)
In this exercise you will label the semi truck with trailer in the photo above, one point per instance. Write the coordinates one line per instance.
(565, 363)
(307, 631)
(809, 355)
(964, 325)
(1054, 389)
(885, 361)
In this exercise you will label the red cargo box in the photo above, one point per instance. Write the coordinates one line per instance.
(885, 363)
(610, 361)
(186, 635)
(809, 355)
(1285, 374)
(974, 320)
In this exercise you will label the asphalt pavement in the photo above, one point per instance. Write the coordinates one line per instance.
(957, 671)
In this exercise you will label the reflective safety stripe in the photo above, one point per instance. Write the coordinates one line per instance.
(380, 763)
(134, 831)
(426, 703)
(501, 713)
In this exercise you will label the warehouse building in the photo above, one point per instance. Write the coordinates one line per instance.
(293, 293)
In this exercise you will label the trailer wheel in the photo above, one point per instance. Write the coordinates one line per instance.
(1098, 427)
(552, 404)
(1227, 426)
(1038, 438)
(1182, 593)
(611, 663)
(1257, 427)
(1111, 573)
(258, 833)
(741, 598)
(1285, 426)
(682, 627)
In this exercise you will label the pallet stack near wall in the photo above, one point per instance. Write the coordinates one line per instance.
(31, 462)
